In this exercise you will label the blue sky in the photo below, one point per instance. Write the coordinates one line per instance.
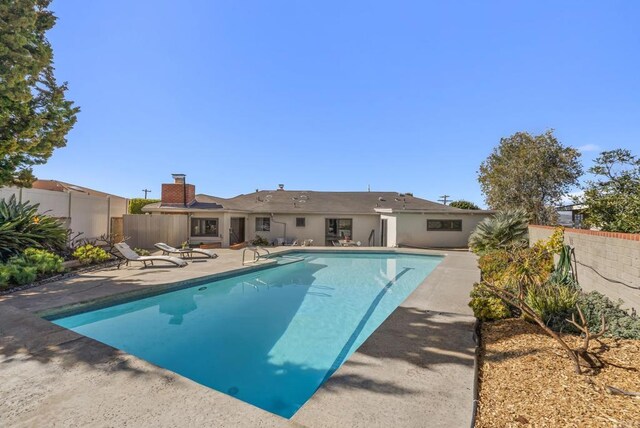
(406, 96)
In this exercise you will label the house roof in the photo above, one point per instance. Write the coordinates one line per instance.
(307, 201)
(61, 186)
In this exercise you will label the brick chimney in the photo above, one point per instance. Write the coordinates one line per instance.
(178, 192)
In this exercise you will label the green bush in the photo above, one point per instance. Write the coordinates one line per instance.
(486, 306)
(136, 204)
(89, 254)
(619, 322)
(493, 265)
(44, 261)
(504, 230)
(464, 205)
(141, 251)
(27, 267)
(260, 241)
(21, 274)
(21, 226)
(5, 277)
(554, 303)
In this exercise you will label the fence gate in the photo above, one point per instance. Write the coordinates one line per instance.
(117, 228)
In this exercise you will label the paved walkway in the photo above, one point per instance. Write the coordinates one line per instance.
(416, 369)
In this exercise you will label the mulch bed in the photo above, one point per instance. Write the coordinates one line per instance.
(526, 380)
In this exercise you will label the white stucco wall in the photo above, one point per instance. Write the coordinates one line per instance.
(411, 229)
(314, 227)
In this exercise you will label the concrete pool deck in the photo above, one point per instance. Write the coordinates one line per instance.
(416, 369)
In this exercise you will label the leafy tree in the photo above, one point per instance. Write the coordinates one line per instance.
(136, 204)
(532, 172)
(613, 199)
(465, 205)
(35, 117)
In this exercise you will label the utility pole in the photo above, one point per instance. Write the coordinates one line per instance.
(444, 199)
(145, 192)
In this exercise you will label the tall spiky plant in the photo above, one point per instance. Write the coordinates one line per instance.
(504, 230)
(21, 226)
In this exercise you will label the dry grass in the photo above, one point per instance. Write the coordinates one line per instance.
(526, 379)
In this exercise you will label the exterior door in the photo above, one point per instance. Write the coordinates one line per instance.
(383, 232)
(236, 232)
(337, 229)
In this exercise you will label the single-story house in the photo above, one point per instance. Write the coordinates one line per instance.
(386, 219)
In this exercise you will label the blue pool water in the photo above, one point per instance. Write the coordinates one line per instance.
(270, 337)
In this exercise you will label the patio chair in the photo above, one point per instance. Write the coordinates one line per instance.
(131, 256)
(168, 249)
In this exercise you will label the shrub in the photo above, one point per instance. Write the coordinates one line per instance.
(141, 251)
(136, 204)
(620, 323)
(20, 273)
(528, 267)
(44, 261)
(21, 226)
(5, 277)
(260, 241)
(486, 306)
(493, 264)
(524, 266)
(563, 272)
(554, 303)
(25, 268)
(89, 254)
(504, 230)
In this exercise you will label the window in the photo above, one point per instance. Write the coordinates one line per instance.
(301, 222)
(263, 224)
(204, 226)
(445, 225)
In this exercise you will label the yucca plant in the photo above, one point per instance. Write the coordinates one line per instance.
(21, 226)
(504, 230)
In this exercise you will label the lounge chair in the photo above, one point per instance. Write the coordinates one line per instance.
(131, 256)
(168, 249)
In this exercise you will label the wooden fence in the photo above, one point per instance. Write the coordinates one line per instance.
(144, 230)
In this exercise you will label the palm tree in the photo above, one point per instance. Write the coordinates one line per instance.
(505, 229)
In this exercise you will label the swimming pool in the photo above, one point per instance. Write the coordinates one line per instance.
(269, 337)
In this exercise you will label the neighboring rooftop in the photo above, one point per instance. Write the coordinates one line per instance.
(61, 186)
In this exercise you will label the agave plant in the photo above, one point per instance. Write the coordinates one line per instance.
(504, 230)
(21, 226)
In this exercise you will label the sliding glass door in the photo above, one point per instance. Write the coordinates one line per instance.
(337, 229)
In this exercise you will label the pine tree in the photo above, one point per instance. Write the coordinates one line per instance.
(35, 116)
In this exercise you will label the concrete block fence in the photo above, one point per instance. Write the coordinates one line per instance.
(608, 262)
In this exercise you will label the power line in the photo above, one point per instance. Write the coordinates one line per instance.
(444, 199)
(145, 192)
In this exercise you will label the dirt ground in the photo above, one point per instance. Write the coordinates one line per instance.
(527, 380)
